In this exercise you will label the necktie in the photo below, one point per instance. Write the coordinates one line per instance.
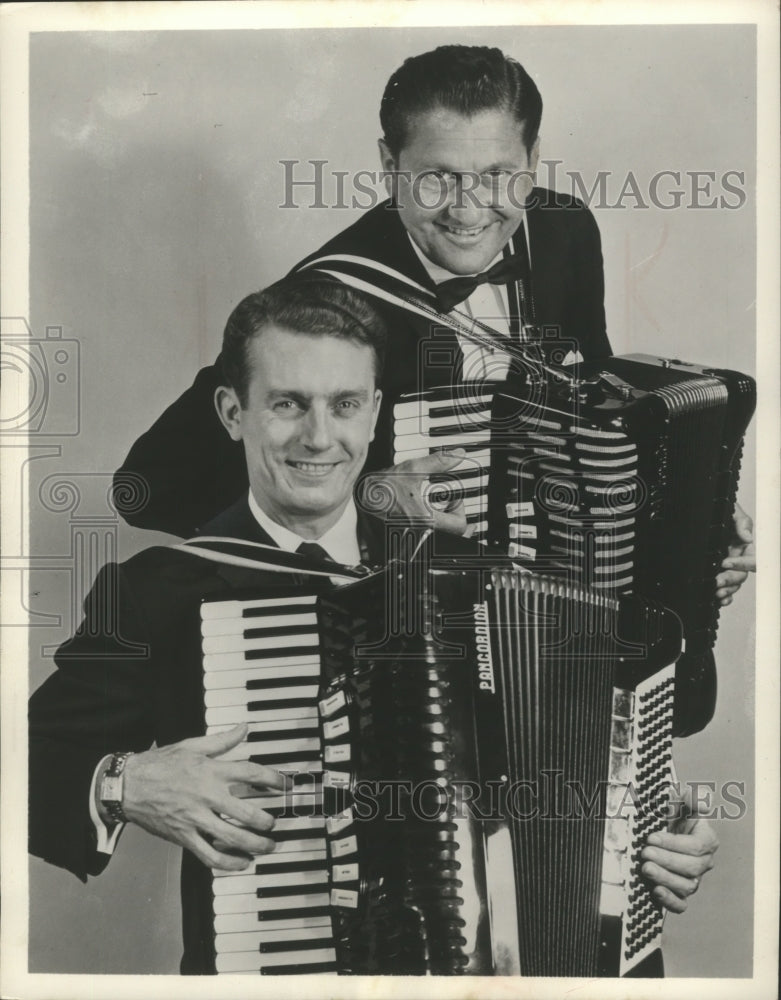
(449, 293)
(313, 551)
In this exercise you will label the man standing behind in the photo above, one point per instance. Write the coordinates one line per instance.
(464, 229)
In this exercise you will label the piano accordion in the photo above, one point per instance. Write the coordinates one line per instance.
(626, 475)
(475, 773)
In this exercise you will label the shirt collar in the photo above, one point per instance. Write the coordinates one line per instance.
(439, 274)
(340, 541)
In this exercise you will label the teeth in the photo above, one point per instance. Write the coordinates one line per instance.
(312, 467)
(465, 232)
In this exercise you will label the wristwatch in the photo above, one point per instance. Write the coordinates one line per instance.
(112, 787)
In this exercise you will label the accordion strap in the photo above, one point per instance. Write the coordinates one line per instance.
(256, 555)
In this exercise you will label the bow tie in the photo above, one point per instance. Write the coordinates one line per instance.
(449, 293)
(313, 551)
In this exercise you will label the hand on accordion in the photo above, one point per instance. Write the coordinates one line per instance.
(407, 490)
(182, 794)
(676, 860)
(740, 560)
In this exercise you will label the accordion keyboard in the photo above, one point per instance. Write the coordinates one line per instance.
(446, 418)
(262, 667)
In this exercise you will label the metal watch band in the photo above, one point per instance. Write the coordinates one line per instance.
(113, 786)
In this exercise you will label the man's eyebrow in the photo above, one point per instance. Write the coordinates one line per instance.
(297, 394)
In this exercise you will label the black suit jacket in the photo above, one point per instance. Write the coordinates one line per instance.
(131, 676)
(192, 469)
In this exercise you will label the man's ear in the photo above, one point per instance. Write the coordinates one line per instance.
(534, 155)
(388, 164)
(377, 402)
(228, 407)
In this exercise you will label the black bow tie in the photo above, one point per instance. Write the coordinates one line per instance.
(313, 551)
(449, 293)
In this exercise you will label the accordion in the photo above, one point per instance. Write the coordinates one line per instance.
(625, 475)
(479, 755)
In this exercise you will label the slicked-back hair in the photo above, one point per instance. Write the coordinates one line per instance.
(463, 78)
(313, 305)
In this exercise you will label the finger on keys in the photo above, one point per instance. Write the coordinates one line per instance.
(236, 837)
(257, 775)
(444, 460)
(453, 522)
(216, 743)
(214, 857)
(681, 885)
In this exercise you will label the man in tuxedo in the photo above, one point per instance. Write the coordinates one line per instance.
(302, 364)
(468, 237)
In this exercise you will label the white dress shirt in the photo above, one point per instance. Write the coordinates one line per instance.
(340, 541)
(488, 304)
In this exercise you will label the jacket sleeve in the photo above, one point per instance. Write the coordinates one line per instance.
(185, 469)
(99, 700)
(589, 319)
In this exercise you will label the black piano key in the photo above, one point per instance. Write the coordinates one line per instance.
(295, 914)
(275, 735)
(275, 682)
(311, 833)
(260, 706)
(272, 653)
(298, 970)
(309, 944)
(290, 866)
(290, 756)
(272, 631)
(289, 890)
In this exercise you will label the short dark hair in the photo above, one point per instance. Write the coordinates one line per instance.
(462, 78)
(308, 304)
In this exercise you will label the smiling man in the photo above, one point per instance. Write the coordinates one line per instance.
(117, 732)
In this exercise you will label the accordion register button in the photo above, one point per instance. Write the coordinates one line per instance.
(347, 898)
(345, 873)
(343, 847)
(328, 706)
(335, 754)
(336, 824)
(332, 730)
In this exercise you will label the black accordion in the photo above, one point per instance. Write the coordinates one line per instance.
(479, 755)
(624, 474)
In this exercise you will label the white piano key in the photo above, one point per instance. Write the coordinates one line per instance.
(296, 846)
(287, 823)
(232, 609)
(259, 672)
(238, 626)
(235, 923)
(246, 941)
(240, 644)
(415, 442)
(253, 961)
(434, 401)
(226, 714)
(215, 662)
(227, 697)
(250, 902)
(293, 857)
(461, 420)
(236, 884)
(285, 800)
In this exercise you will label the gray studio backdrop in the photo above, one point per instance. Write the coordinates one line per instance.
(156, 183)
